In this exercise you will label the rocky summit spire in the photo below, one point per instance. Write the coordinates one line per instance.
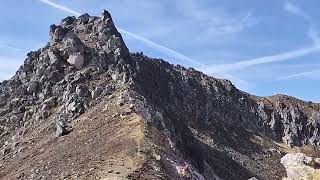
(78, 50)
(74, 36)
(83, 107)
(106, 16)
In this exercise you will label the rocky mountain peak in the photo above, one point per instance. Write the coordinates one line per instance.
(79, 51)
(126, 115)
(74, 38)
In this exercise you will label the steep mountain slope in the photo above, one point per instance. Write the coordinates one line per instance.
(84, 107)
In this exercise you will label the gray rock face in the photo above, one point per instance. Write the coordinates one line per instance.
(96, 92)
(72, 44)
(33, 87)
(87, 60)
(82, 91)
(197, 97)
(84, 18)
(56, 34)
(76, 60)
(54, 59)
(54, 78)
(62, 129)
(109, 89)
(100, 46)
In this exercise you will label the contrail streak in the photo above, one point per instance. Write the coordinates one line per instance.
(8, 46)
(303, 74)
(160, 47)
(61, 7)
(262, 60)
(157, 46)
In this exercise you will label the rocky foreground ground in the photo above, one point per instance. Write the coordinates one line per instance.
(84, 107)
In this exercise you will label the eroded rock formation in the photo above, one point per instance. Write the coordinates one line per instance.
(300, 166)
(84, 107)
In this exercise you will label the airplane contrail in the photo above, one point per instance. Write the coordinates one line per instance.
(262, 60)
(133, 35)
(157, 46)
(8, 46)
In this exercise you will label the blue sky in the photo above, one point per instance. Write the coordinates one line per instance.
(263, 47)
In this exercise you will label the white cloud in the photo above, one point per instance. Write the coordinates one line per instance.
(222, 24)
(313, 34)
(295, 10)
(232, 25)
(8, 46)
(60, 7)
(241, 83)
(217, 21)
(284, 56)
(160, 47)
(315, 74)
(262, 60)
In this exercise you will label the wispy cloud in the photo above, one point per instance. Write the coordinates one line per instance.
(284, 56)
(313, 33)
(308, 74)
(295, 10)
(241, 83)
(262, 60)
(9, 46)
(232, 25)
(61, 7)
(160, 47)
(216, 19)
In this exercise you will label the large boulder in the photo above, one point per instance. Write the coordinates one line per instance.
(76, 60)
(72, 44)
(301, 167)
(62, 129)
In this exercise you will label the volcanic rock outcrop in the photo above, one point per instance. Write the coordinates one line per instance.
(300, 166)
(85, 107)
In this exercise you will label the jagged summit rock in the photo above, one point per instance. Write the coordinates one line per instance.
(74, 36)
(84, 107)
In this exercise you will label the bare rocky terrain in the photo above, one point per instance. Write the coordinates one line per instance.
(84, 107)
